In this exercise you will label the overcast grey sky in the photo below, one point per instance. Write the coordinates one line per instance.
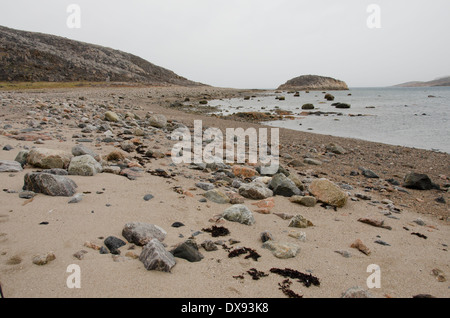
(259, 43)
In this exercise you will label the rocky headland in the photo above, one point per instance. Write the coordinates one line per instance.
(313, 82)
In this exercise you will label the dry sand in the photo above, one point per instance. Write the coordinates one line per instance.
(111, 201)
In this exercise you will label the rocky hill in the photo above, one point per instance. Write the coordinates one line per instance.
(443, 81)
(30, 56)
(313, 82)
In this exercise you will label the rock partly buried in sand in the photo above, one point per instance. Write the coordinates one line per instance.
(187, 250)
(308, 201)
(281, 250)
(155, 257)
(327, 192)
(313, 82)
(158, 121)
(217, 196)
(300, 222)
(356, 292)
(113, 244)
(359, 245)
(141, 233)
(49, 158)
(10, 166)
(255, 191)
(335, 148)
(84, 165)
(22, 157)
(44, 258)
(417, 181)
(239, 213)
(49, 184)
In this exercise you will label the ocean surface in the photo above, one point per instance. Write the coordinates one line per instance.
(411, 117)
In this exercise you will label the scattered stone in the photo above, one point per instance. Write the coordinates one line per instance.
(10, 166)
(244, 172)
(209, 246)
(84, 165)
(49, 158)
(217, 196)
(22, 157)
(141, 233)
(113, 244)
(356, 292)
(93, 246)
(111, 116)
(282, 185)
(205, 185)
(419, 222)
(417, 181)
(80, 254)
(382, 243)
(327, 192)
(308, 106)
(187, 250)
(341, 105)
(369, 173)
(76, 198)
(239, 213)
(148, 197)
(177, 224)
(300, 222)
(358, 244)
(363, 196)
(266, 236)
(234, 197)
(265, 204)
(440, 199)
(80, 150)
(103, 250)
(155, 257)
(440, 277)
(255, 191)
(375, 223)
(158, 121)
(27, 195)
(281, 250)
(308, 201)
(301, 236)
(343, 253)
(49, 184)
(44, 258)
(7, 148)
(313, 162)
(284, 216)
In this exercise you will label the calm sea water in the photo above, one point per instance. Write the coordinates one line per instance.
(411, 117)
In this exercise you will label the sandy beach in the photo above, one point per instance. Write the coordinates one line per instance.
(410, 264)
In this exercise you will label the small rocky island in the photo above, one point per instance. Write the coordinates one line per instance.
(313, 82)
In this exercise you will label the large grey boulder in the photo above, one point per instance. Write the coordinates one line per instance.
(155, 257)
(49, 184)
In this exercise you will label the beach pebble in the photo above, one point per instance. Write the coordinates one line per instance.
(300, 222)
(327, 192)
(187, 250)
(217, 196)
(239, 213)
(282, 250)
(155, 257)
(113, 244)
(44, 258)
(255, 191)
(140, 233)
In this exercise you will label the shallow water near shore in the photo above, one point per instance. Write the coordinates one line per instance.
(410, 117)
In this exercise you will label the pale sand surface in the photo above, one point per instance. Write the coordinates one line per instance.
(406, 265)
